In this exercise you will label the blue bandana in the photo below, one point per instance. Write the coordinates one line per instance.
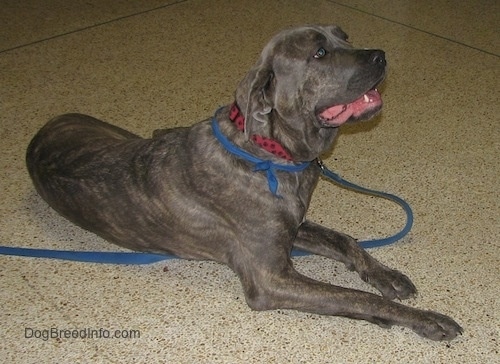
(260, 164)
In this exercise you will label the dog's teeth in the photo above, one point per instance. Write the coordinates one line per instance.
(366, 98)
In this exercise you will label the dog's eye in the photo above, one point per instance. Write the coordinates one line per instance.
(320, 53)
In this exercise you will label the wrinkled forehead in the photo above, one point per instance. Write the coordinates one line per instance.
(303, 38)
(332, 33)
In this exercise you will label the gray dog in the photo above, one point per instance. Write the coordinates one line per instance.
(235, 188)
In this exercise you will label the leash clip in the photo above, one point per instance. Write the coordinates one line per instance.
(320, 164)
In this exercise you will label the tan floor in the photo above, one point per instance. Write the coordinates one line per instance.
(148, 64)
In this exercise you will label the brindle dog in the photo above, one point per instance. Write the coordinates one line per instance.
(182, 192)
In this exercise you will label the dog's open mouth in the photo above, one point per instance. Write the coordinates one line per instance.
(363, 107)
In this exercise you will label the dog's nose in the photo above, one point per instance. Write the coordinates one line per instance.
(378, 58)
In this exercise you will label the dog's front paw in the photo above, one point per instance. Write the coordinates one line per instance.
(391, 283)
(436, 326)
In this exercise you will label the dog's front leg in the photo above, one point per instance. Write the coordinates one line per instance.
(280, 286)
(332, 244)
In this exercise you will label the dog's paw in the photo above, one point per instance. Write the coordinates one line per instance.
(436, 326)
(391, 283)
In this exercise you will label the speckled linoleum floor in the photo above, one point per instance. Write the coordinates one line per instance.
(148, 64)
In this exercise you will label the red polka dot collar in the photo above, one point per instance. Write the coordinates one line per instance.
(268, 144)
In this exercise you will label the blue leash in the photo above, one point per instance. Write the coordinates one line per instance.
(374, 243)
(260, 165)
(88, 257)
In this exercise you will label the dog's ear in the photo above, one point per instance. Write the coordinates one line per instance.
(259, 100)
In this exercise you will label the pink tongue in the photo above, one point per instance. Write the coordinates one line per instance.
(339, 114)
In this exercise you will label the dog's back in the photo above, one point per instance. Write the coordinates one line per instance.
(83, 168)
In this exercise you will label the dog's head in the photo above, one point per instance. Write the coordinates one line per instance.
(306, 83)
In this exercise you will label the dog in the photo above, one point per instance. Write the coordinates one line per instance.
(235, 188)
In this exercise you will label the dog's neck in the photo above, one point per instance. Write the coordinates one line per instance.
(268, 144)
